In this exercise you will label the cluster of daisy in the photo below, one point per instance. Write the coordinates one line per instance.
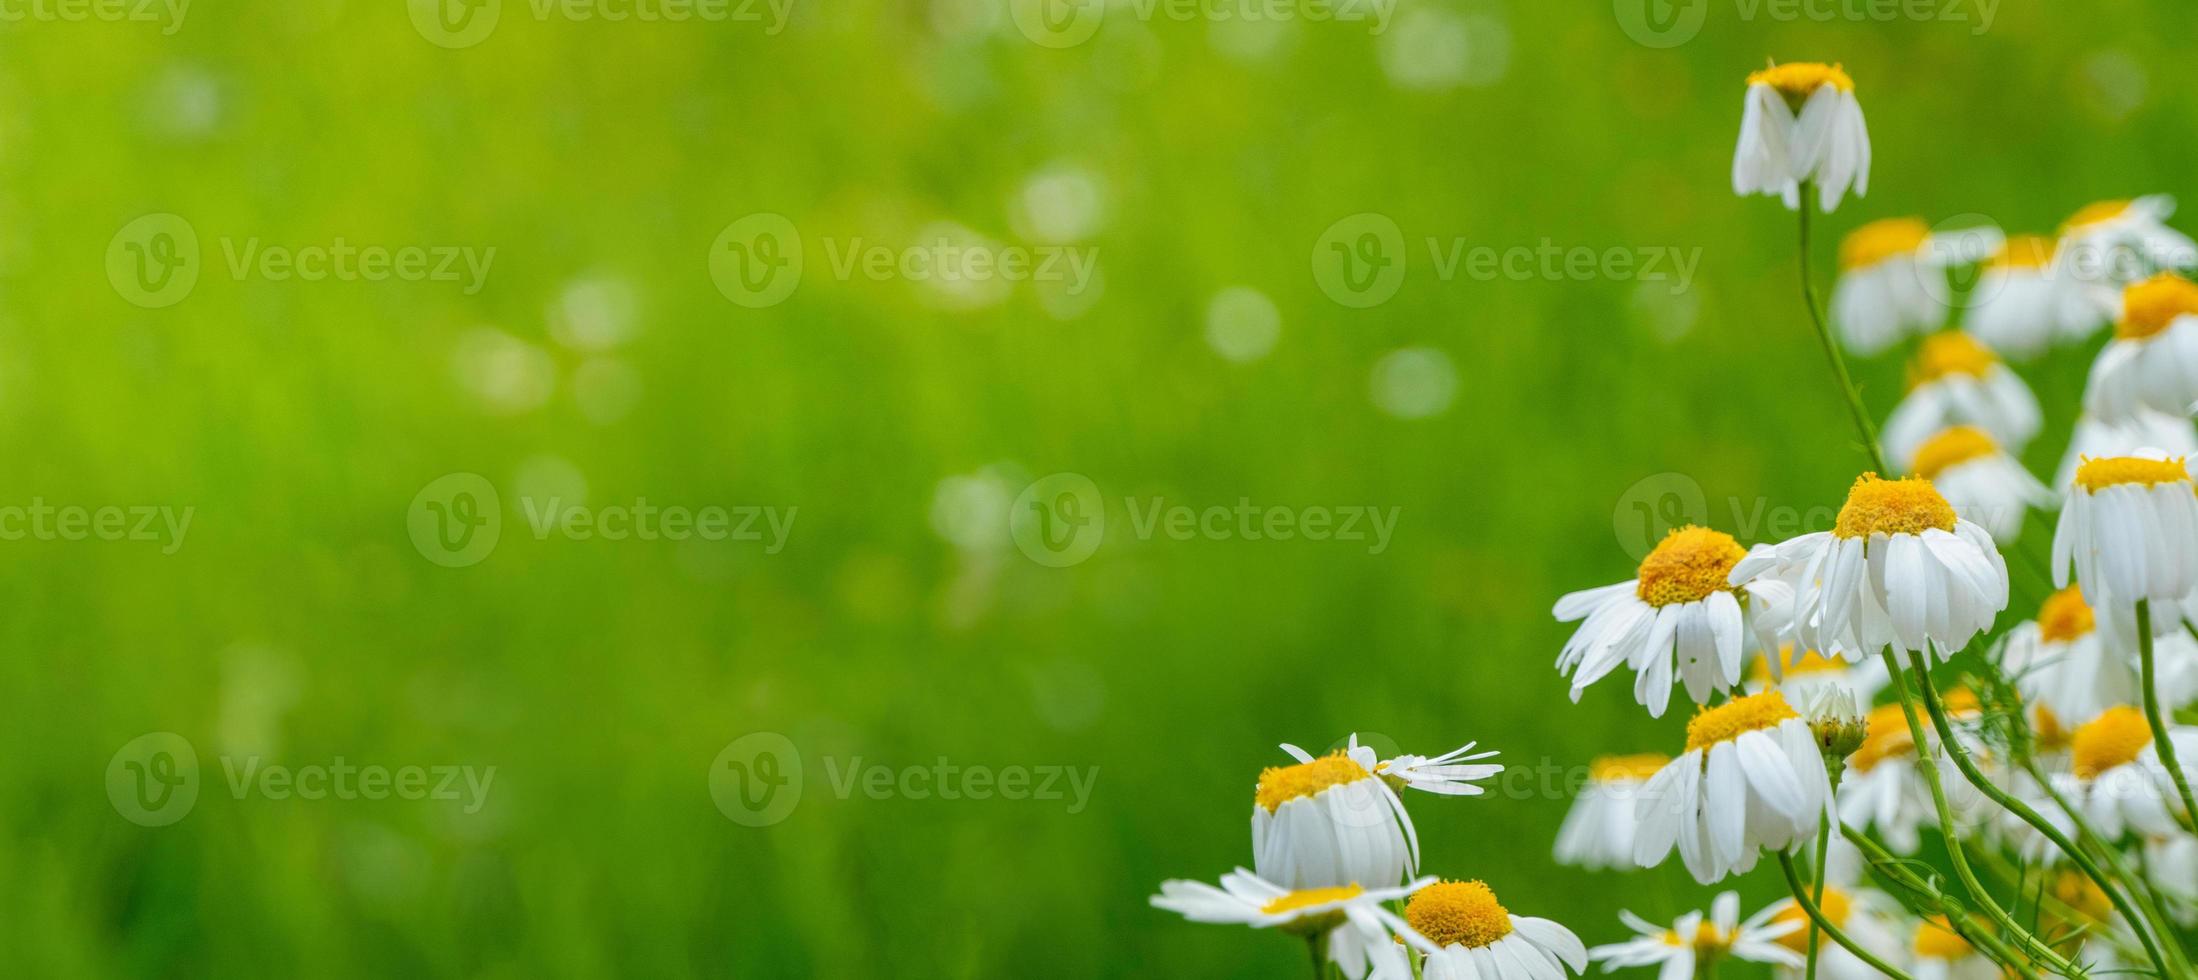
(1821, 736)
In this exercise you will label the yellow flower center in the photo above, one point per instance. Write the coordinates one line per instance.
(1310, 897)
(1706, 938)
(1458, 913)
(1281, 784)
(1835, 907)
(2052, 735)
(1947, 353)
(1737, 717)
(2023, 252)
(1689, 564)
(2112, 739)
(1951, 448)
(2095, 475)
(2064, 616)
(2150, 306)
(2091, 214)
(1936, 938)
(1878, 506)
(1880, 240)
(1798, 80)
(1808, 662)
(1612, 768)
(2077, 891)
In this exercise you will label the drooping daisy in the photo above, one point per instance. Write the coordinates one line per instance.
(1942, 954)
(2129, 531)
(1751, 778)
(1892, 283)
(2060, 660)
(2095, 437)
(1898, 568)
(2120, 778)
(1957, 381)
(2023, 303)
(2152, 362)
(1690, 946)
(1883, 788)
(1328, 823)
(1801, 122)
(1468, 935)
(1336, 819)
(1597, 832)
(1985, 484)
(1867, 917)
(1804, 677)
(2120, 242)
(1679, 614)
(1357, 926)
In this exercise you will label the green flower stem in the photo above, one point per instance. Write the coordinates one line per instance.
(1823, 849)
(1937, 901)
(1863, 425)
(2137, 884)
(1936, 706)
(1816, 915)
(2160, 740)
(1317, 946)
(1928, 766)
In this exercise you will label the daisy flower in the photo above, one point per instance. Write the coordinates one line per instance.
(1956, 381)
(2023, 303)
(1336, 819)
(2152, 362)
(2123, 241)
(1357, 926)
(1800, 122)
(1897, 568)
(1865, 916)
(1468, 935)
(1679, 613)
(2129, 531)
(2060, 660)
(1597, 832)
(1942, 954)
(1892, 283)
(2120, 780)
(1805, 677)
(1984, 483)
(2093, 437)
(1884, 790)
(1689, 946)
(1751, 778)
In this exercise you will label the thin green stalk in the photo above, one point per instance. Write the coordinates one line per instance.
(1928, 766)
(1847, 389)
(1936, 707)
(2160, 740)
(1816, 915)
(1317, 945)
(2138, 885)
(1939, 902)
(1823, 850)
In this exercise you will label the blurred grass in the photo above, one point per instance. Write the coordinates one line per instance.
(299, 419)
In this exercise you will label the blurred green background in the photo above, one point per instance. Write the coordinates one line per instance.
(901, 623)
